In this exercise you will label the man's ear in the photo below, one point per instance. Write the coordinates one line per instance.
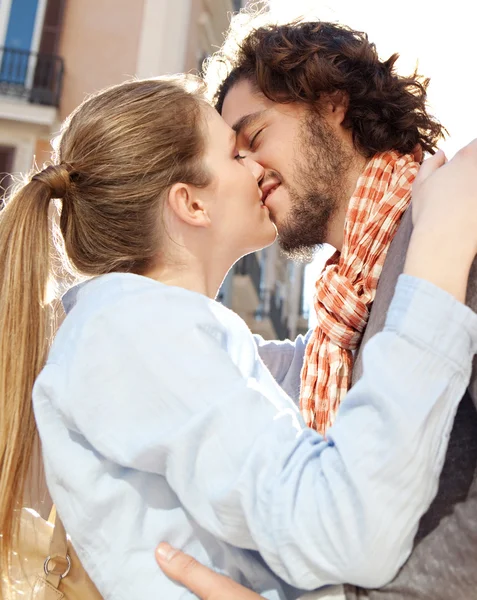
(185, 203)
(335, 107)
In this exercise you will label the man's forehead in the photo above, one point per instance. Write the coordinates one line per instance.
(241, 102)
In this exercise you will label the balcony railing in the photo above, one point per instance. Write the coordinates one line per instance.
(36, 77)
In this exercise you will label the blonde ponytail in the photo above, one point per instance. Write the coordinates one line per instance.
(25, 246)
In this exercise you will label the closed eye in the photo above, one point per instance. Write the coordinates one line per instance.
(253, 139)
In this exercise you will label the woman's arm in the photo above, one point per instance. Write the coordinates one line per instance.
(236, 452)
(207, 584)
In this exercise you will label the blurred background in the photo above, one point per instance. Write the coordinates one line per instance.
(55, 52)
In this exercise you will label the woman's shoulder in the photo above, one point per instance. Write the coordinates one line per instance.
(141, 307)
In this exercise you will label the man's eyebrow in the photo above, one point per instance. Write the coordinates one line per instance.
(247, 121)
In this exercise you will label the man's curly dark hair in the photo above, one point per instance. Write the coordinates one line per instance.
(309, 61)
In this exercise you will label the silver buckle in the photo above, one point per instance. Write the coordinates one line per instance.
(48, 572)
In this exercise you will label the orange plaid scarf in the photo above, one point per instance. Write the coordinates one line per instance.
(347, 285)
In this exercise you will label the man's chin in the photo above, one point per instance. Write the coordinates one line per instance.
(295, 252)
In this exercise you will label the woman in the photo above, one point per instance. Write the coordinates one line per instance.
(156, 417)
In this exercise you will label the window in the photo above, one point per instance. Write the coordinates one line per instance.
(29, 67)
(18, 39)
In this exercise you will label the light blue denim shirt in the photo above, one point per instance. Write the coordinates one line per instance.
(159, 421)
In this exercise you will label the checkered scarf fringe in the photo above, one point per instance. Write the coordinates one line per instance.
(347, 286)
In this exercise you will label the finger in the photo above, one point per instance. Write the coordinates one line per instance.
(186, 570)
(430, 165)
(203, 582)
(469, 151)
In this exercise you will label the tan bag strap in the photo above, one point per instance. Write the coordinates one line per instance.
(58, 552)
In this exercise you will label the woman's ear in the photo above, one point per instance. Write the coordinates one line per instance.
(186, 204)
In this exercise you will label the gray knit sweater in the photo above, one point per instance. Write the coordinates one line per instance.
(443, 564)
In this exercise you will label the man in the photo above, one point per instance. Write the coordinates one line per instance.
(337, 132)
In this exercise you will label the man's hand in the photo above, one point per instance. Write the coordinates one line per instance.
(203, 582)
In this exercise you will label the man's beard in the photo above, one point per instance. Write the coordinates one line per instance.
(321, 169)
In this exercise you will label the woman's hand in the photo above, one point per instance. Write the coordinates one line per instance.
(201, 581)
(444, 194)
(444, 203)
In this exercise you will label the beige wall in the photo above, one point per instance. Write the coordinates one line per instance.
(99, 45)
(42, 151)
(164, 35)
(23, 137)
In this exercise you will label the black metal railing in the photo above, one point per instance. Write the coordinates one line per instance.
(249, 265)
(36, 77)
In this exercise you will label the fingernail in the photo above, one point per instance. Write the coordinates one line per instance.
(165, 552)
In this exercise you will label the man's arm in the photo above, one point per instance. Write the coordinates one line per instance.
(284, 359)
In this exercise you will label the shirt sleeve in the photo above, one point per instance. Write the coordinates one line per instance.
(238, 456)
(284, 360)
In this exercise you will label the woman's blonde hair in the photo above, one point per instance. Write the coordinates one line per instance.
(115, 158)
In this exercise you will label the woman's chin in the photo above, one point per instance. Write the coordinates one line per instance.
(272, 234)
(262, 239)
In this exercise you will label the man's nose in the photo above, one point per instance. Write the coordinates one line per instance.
(256, 168)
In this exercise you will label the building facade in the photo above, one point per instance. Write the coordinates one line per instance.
(55, 52)
(266, 290)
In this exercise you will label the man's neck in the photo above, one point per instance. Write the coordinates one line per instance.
(337, 224)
